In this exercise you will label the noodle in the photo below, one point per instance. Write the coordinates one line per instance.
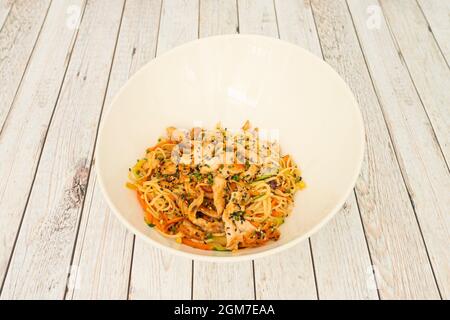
(214, 190)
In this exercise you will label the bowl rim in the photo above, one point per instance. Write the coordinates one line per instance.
(250, 256)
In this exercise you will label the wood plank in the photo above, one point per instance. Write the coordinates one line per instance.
(397, 249)
(17, 38)
(5, 9)
(223, 281)
(257, 17)
(104, 246)
(156, 274)
(218, 17)
(40, 263)
(437, 14)
(341, 258)
(426, 64)
(25, 129)
(217, 280)
(420, 158)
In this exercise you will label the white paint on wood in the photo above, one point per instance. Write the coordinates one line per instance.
(257, 17)
(218, 17)
(23, 134)
(424, 168)
(40, 263)
(437, 13)
(104, 247)
(286, 275)
(341, 258)
(156, 274)
(396, 245)
(223, 281)
(429, 70)
(5, 9)
(17, 38)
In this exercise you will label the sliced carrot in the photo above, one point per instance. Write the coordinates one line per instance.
(171, 222)
(274, 202)
(276, 213)
(160, 144)
(197, 245)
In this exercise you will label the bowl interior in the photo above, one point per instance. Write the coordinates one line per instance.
(229, 79)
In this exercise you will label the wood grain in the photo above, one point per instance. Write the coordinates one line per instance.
(223, 281)
(402, 271)
(40, 263)
(420, 158)
(5, 9)
(156, 274)
(437, 14)
(426, 64)
(104, 247)
(56, 81)
(18, 35)
(218, 17)
(24, 132)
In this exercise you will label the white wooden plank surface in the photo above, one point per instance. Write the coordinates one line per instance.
(17, 38)
(213, 280)
(156, 274)
(223, 281)
(424, 168)
(402, 271)
(5, 9)
(24, 132)
(425, 62)
(257, 17)
(218, 17)
(437, 13)
(104, 247)
(40, 263)
(399, 71)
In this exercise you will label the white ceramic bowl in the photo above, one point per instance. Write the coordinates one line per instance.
(275, 85)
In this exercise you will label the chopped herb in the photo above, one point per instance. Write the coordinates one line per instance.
(151, 225)
(197, 175)
(210, 179)
(235, 177)
(238, 215)
(258, 196)
(264, 177)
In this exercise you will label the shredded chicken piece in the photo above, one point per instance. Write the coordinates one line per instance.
(209, 226)
(175, 134)
(191, 230)
(235, 229)
(218, 193)
(209, 212)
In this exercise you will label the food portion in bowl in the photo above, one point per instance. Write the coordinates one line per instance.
(216, 190)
